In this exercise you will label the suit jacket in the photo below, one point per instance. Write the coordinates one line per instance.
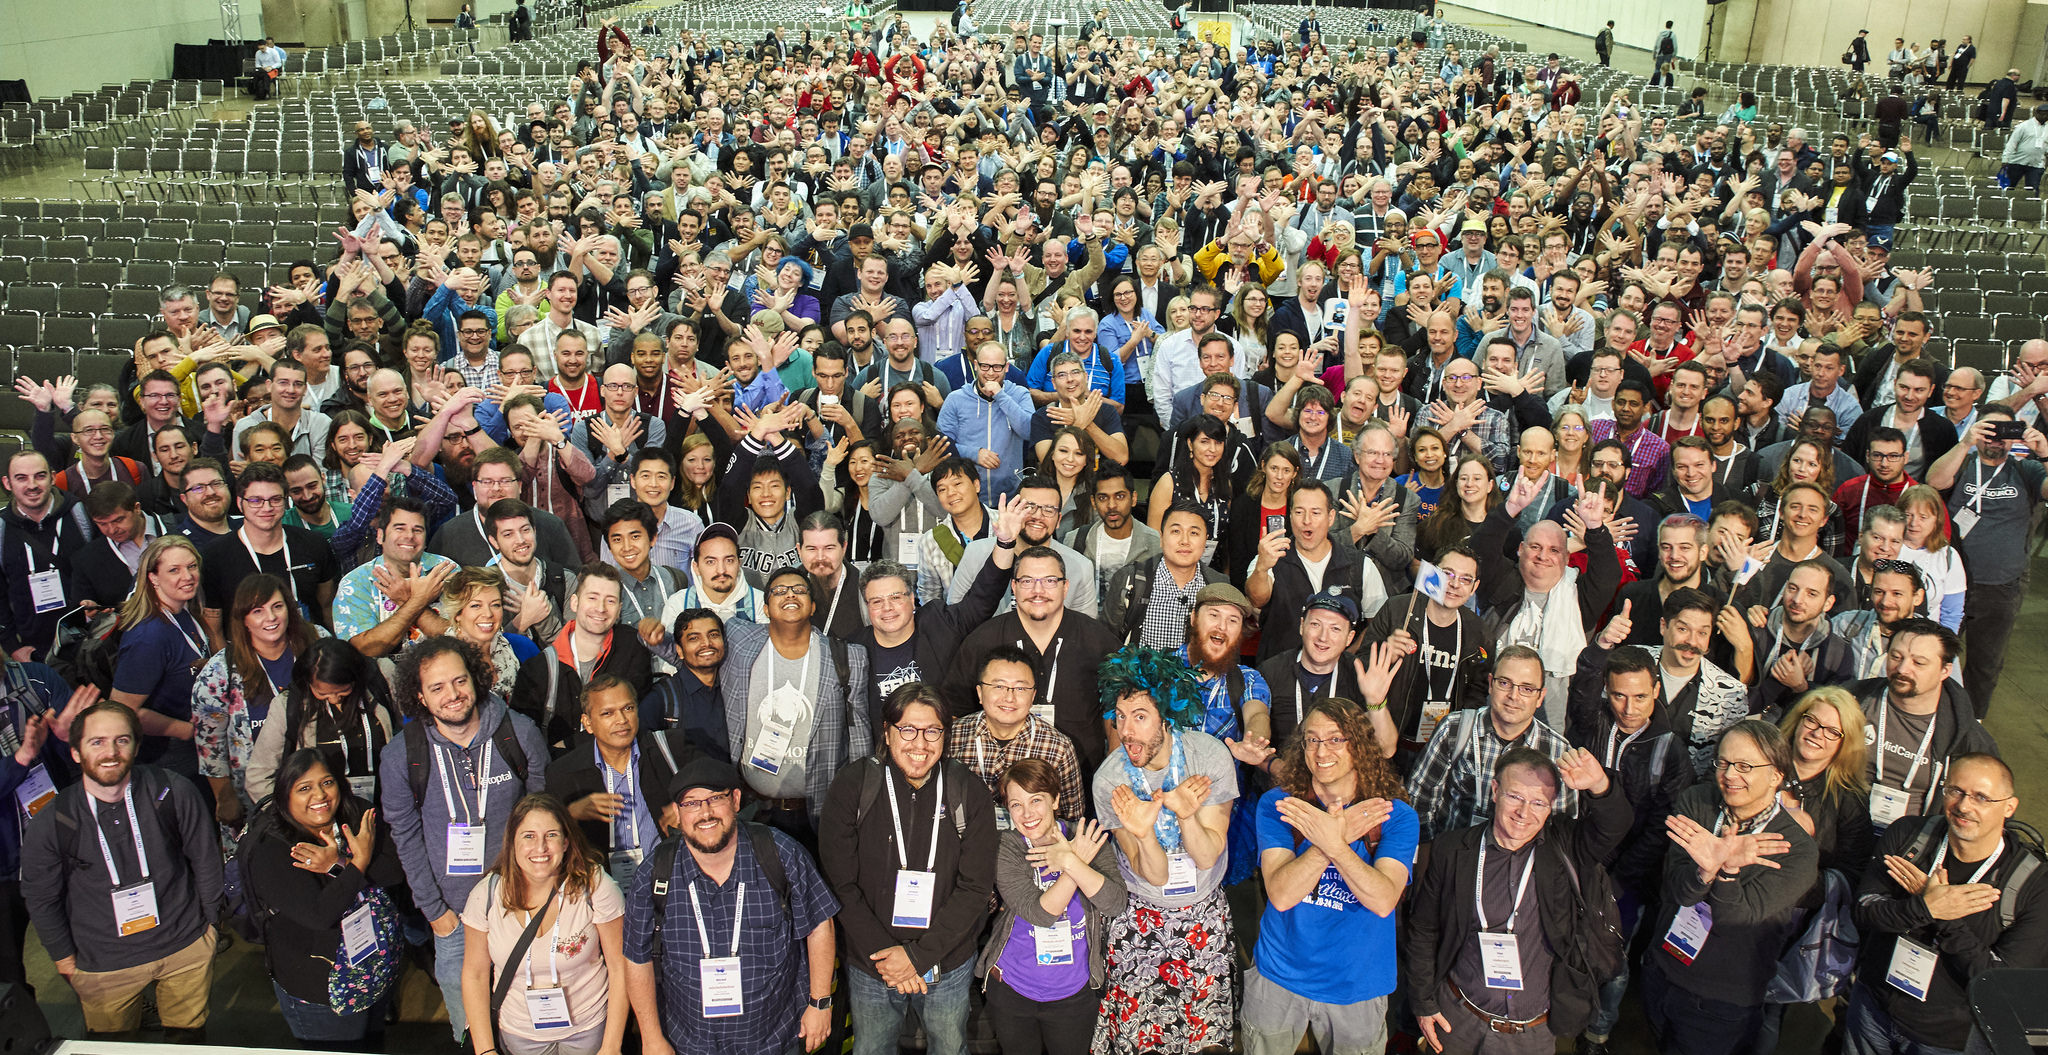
(575, 775)
(99, 574)
(840, 731)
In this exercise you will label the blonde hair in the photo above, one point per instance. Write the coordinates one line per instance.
(1921, 496)
(465, 583)
(1846, 771)
(143, 603)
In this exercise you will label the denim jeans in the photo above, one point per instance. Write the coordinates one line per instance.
(878, 1012)
(448, 975)
(1869, 1031)
(317, 1025)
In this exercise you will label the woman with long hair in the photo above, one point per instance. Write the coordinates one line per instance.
(472, 602)
(1329, 767)
(1927, 546)
(1806, 463)
(1198, 476)
(163, 645)
(333, 942)
(1070, 462)
(852, 501)
(1471, 496)
(1830, 779)
(1057, 877)
(1251, 320)
(480, 137)
(238, 688)
(1569, 428)
(1264, 504)
(570, 986)
(1127, 330)
(1427, 453)
(338, 702)
(697, 480)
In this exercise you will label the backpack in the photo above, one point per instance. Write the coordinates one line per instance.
(1597, 942)
(2027, 841)
(149, 784)
(418, 763)
(871, 776)
(1817, 964)
(1137, 599)
(89, 658)
(247, 911)
(663, 866)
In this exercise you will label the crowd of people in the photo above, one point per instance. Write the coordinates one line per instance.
(600, 580)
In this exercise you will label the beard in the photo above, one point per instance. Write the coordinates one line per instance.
(1209, 654)
(716, 845)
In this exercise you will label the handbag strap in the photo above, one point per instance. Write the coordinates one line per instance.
(519, 948)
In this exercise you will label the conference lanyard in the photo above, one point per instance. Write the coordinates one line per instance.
(134, 830)
(1479, 888)
(483, 788)
(931, 860)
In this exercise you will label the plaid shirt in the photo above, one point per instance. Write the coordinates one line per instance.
(481, 377)
(773, 958)
(970, 742)
(1168, 608)
(1491, 428)
(1452, 780)
(1646, 454)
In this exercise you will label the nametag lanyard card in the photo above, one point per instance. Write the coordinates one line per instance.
(291, 583)
(1052, 678)
(626, 854)
(1966, 518)
(548, 1006)
(46, 587)
(1912, 968)
(778, 725)
(914, 889)
(1693, 923)
(466, 837)
(1500, 952)
(1887, 803)
(134, 903)
(719, 976)
(1433, 708)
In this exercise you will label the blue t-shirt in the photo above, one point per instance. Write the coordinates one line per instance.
(159, 662)
(1293, 947)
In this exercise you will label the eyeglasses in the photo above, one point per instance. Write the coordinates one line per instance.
(1461, 378)
(1826, 733)
(789, 589)
(1461, 581)
(618, 386)
(1203, 308)
(1886, 456)
(1313, 742)
(1046, 581)
(1038, 509)
(1012, 692)
(994, 368)
(94, 430)
(468, 332)
(155, 397)
(1223, 395)
(202, 488)
(1513, 799)
(1976, 798)
(1508, 685)
(910, 734)
(262, 503)
(705, 803)
(1723, 765)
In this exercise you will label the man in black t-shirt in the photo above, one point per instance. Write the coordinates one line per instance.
(264, 544)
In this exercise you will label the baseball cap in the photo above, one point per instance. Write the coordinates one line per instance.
(1878, 241)
(1891, 156)
(860, 230)
(1224, 593)
(1099, 108)
(718, 529)
(1332, 601)
(704, 772)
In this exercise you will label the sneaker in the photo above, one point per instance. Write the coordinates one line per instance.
(1589, 1046)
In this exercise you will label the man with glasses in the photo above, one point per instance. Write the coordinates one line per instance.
(206, 503)
(1176, 362)
(989, 422)
(611, 437)
(358, 362)
(1075, 403)
(160, 410)
(496, 475)
(1006, 731)
(288, 390)
(907, 641)
(1881, 486)
(265, 545)
(1450, 777)
(1465, 419)
(1038, 502)
(642, 313)
(796, 706)
(1960, 395)
(1927, 435)
(1956, 896)
(475, 359)
(1997, 484)
(225, 311)
(1238, 401)
(784, 954)
(92, 437)
(517, 376)
(1919, 721)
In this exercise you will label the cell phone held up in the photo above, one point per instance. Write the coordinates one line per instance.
(2007, 429)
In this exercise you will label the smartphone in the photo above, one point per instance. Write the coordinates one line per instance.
(827, 399)
(2008, 429)
(1276, 523)
(1339, 313)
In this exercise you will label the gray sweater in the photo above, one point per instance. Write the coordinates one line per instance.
(420, 827)
(1020, 901)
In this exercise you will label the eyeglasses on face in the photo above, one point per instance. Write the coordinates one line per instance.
(1508, 685)
(1826, 733)
(1012, 692)
(910, 734)
(1976, 798)
(789, 589)
(1742, 769)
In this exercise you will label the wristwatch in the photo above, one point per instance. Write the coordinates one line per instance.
(823, 1003)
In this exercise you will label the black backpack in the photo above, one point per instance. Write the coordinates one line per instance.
(872, 774)
(1597, 943)
(418, 763)
(2024, 838)
(69, 814)
(663, 865)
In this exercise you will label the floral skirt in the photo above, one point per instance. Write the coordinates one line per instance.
(1169, 980)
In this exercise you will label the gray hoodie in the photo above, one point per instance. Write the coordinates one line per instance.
(420, 827)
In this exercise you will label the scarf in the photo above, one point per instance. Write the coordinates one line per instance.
(1167, 827)
(1558, 630)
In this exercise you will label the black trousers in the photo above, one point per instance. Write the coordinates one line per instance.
(1027, 1027)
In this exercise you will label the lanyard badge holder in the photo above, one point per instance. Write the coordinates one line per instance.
(779, 716)
(1888, 803)
(915, 889)
(1500, 952)
(359, 939)
(134, 903)
(466, 838)
(1912, 966)
(622, 860)
(548, 1006)
(719, 977)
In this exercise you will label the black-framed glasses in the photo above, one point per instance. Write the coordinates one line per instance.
(1976, 798)
(1826, 733)
(1723, 765)
(910, 734)
(1010, 691)
(789, 589)
(1508, 685)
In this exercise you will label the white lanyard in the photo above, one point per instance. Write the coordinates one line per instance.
(1052, 678)
(1479, 887)
(1863, 504)
(1942, 855)
(1614, 748)
(256, 559)
(1977, 503)
(554, 942)
(803, 672)
(611, 788)
(739, 906)
(832, 610)
(1919, 756)
(134, 829)
(483, 785)
(1332, 684)
(196, 647)
(1314, 468)
(931, 859)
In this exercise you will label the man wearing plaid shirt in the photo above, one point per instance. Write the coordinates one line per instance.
(1006, 731)
(1465, 420)
(474, 358)
(1451, 778)
(1646, 449)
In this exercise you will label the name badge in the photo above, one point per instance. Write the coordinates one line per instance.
(618, 492)
(549, 1008)
(622, 864)
(376, 174)
(465, 849)
(1963, 520)
(1433, 713)
(1043, 711)
(906, 550)
(1887, 804)
(35, 791)
(913, 898)
(1912, 968)
(1002, 819)
(719, 978)
(359, 934)
(1054, 945)
(1688, 933)
(771, 748)
(365, 787)
(1500, 955)
(1181, 875)
(46, 589)
(135, 908)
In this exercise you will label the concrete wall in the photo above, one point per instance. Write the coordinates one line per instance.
(1815, 32)
(63, 46)
(1633, 26)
